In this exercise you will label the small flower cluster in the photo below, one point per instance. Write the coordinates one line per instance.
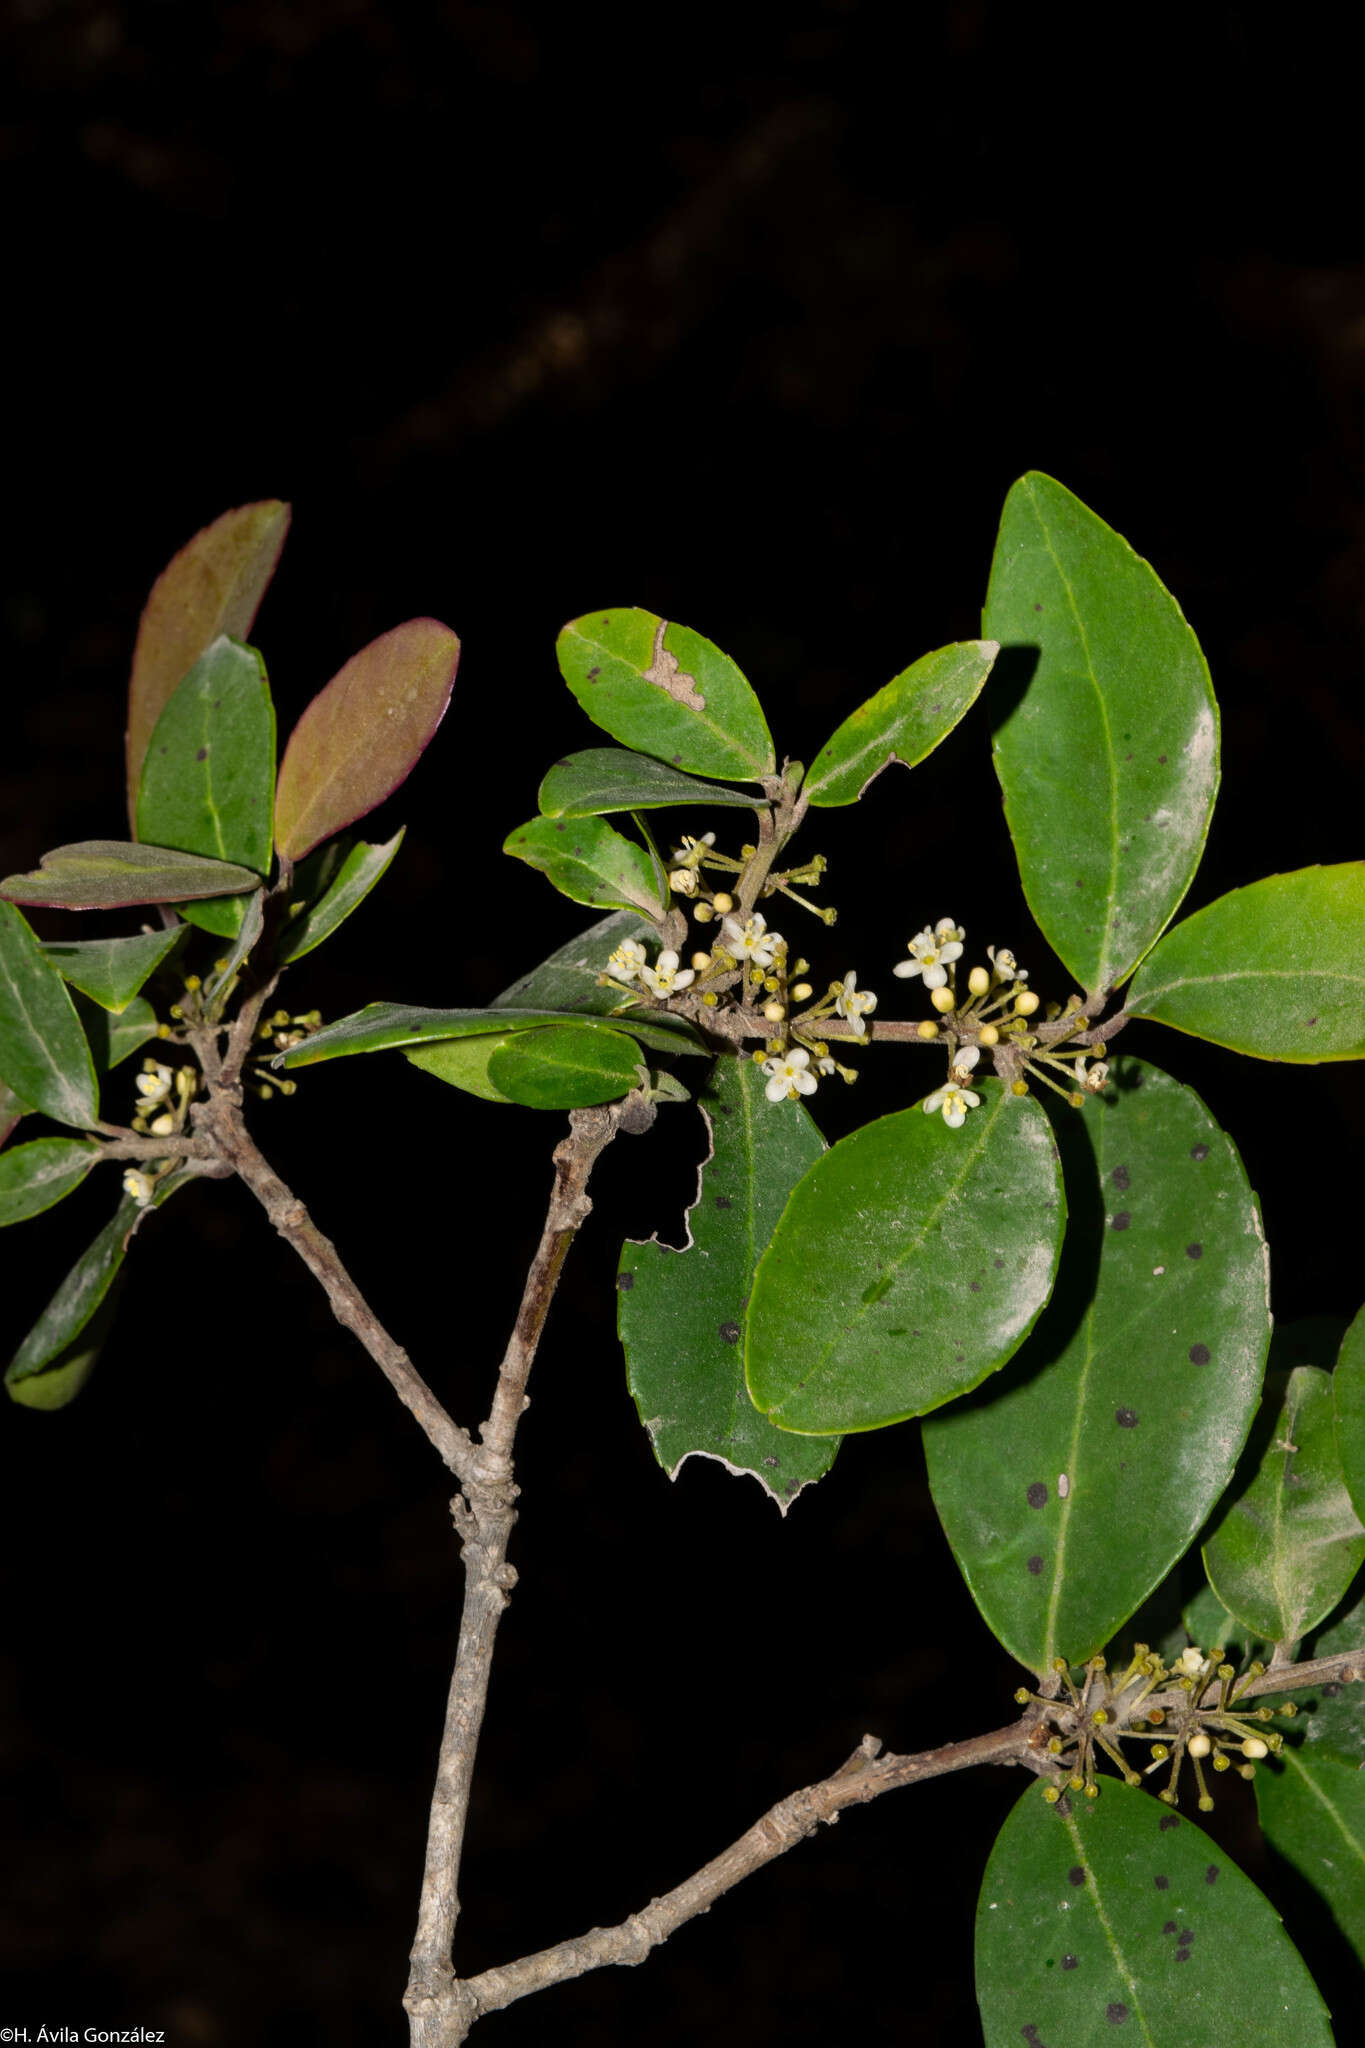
(1102, 1712)
(694, 854)
(282, 1032)
(164, 1095)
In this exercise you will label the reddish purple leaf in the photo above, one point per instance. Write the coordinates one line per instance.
(363, 734)
(214, 585)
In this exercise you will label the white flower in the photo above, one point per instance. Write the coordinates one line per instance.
(626, 962)
(154, 1086)
(752, 941)
(690, 852)
(665, 977)
(683, 881)
(954, 1102)
(826, 1065)
(788, 1076)
(932, 951)
(1190, 1662)
(1005, 965)
(1092, 1077)
(964, 1059)
(138, 1185)
(849, 1003)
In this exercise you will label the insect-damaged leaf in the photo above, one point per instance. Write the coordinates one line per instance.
(44, 1056)
(1125, 1916)
(110, 874)
(588, 862)
(911, 1261)
(111, 971)
(658, 686)
(364, 733)
(903, 722)
(613, 779)
(1276, 969)
(342, 876)
(1069, 1486)
(681, 1313)
(1109, 758)
(209, 774)
(214, 585)
(34, 1176)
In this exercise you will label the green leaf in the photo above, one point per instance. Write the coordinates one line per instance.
(1276, 970)
(58, 1384)
(364, 733)
(329, 886)
(568, 979)
(903, 722)
(380, 1026)
(1083, 1922)
(209, 775)
(213, 586)
(111, 971)
(1312, 1810)
(218, 984)
(43, 1053)
(681, 1313)
(1208, 1623)
(588, 861)
(464, 1062)
(613, 779)
(1138, 1386)
(1348, 1396)
(34, 1176)
(658, 686)
(11, 1110)
(108, 874)
(567, 1066)
(910, 1262)
(1288, 1543)
(1109, 760)
(113, 1038)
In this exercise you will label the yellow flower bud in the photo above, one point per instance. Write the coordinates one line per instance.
(1199, 1745)
(928, 1028)
(988, 1035)
(1026, 1004)
(774, 1012)
(978, 981)
(723, 903)
(1254, 1748)
(1019, 1088)
(802, 992)
(700, 962)
(703, 913)
(943, 1000)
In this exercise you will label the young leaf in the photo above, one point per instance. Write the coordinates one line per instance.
(1288, 1543)
(44, 1057)
(1109, 760)
(209, 774)
(1070, 1486)
(658, 686)
(1348, 1398)
(34, 1176)
(110, 874)
(589, 862)
(213, 586)
(364, 733)
(904, 722)
(346, 872)
(380, 1026)
(114, 1037)
(1276, 970)
(569, 978)
(681, 1313)
(566, 1066)
(911, 1261)
(464, 1062)
(11, 1110)
(613, 779)
(1123, 1913)
(111, 971)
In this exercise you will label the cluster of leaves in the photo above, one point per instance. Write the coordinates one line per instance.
(1077, 1302)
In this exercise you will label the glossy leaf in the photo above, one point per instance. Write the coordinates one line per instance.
(1288, 1542)
(213, 586)
(1276, 970)
(381, 1026)
(44, 1056)
(613, 779)
(109, 874)
(209, 774)
(219, 981)
(1109, 758)
(904, 722)
(1125, 1916)
(464, 1062)
(567, 1066)
(681, 1313)
(910, 1262)
(364, 733)
(658, 686)
(1208, 1623)
(111, 971)
(114, 1037)
(344, 874)
(62, 1378)
(1348, 1395)
(569, 978)
(34, 1176)
(588, 862)
(1311, 1806)
(11, 1110)
(1137, 1388)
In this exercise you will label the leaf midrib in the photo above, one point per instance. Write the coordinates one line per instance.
(1120, 1960)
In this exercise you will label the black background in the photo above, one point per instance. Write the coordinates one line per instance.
(750, 316)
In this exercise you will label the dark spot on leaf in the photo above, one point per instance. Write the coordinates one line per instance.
(771, 1463)
(1035, 1566)
(1037, 607)
(1199, 1151)
(1121, 1221)
(1211, 1874)
(201, 753)
(730, 1332)
(1161, 760)
(1169, 1928)
(1194, 1251)
(1076, 1874)
(1079, 883)
(625, 1281)
(1169, 1820)
(1037, 1494)
(999, 1265)
(975, 1286)
(677, 760)
(1182, 1955)
(1126, 1418)
(1116, 2012)
(1069, 1962)
(1186, 1938)
(1033, 2037)
(722, 1201)
(594, 673)
(1121, 1178)
(875, 1289)
(1163, 1884)
(1331, 1690)
(1199, 1354)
